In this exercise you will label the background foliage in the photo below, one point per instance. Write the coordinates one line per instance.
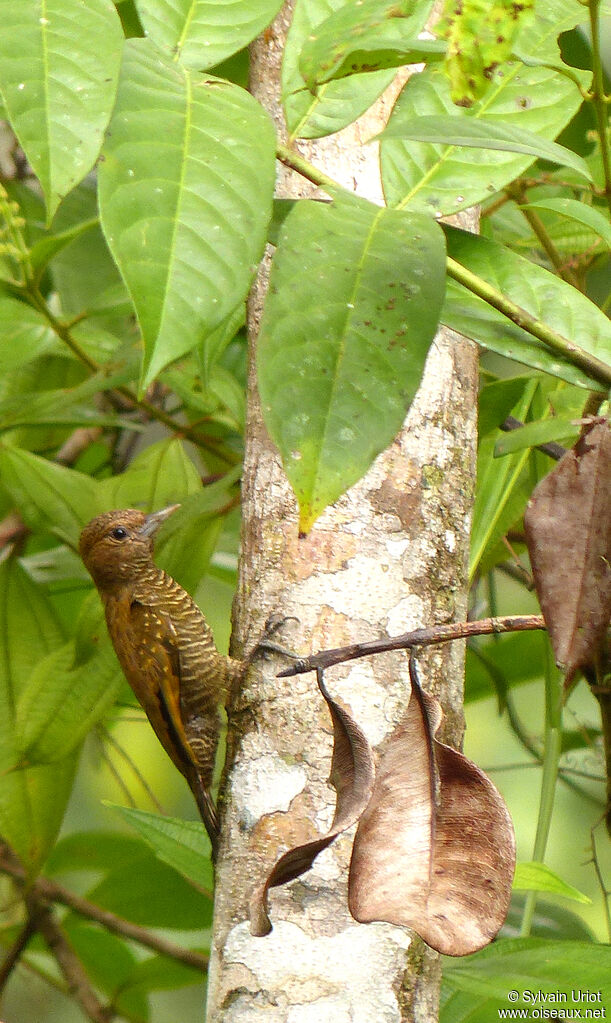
(135, 199)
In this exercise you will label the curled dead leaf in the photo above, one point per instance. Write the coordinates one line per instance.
(568, 532)
(352, 772)
(435, 847)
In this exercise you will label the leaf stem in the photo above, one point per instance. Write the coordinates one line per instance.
(598, 96)
(551, 761)
(564, 348)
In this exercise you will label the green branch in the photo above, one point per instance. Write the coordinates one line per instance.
(560, 345)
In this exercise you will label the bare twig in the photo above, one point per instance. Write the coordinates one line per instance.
(53, 892)
(69, 963)
(419, 637)
(16, 950)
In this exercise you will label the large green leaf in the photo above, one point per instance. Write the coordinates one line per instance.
(508, 974)
(32, 802)
(336, 103)
(150, 893)
(65, 697)
(202, 33)
(352, 308)
(368, 36)
(184, 845)
(185, 197)
(575, 211)
(49, 496)
(25, 334)
(533, 288)
(161, 475)
(440, 179)
(111, 964)
(482, 133)
(59, 64)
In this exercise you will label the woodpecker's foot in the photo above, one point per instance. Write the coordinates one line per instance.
(265, 642)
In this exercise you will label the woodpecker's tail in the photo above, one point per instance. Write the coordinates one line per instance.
(207, 810)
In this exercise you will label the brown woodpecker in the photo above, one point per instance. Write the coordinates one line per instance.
(164, 645)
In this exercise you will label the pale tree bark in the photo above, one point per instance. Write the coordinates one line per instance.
(389, 556)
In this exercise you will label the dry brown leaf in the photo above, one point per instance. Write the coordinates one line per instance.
(352, 772)
(435, 848)
(568, 531)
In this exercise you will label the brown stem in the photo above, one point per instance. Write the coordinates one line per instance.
(16, 950)
(419, 637)
(53, 892)
(69, 964)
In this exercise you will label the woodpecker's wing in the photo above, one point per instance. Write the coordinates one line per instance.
(160, 665)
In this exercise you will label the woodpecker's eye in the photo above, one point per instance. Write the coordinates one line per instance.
(119, 533)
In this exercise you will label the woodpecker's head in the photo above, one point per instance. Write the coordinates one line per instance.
(118, 545)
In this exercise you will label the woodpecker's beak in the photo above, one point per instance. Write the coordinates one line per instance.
(153, 522)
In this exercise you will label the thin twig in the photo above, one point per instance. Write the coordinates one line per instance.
(419, 637)
(69, 963)
(16, 950)
(53, 892)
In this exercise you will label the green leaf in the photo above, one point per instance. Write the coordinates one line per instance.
(536, 877)
(62, 701)
(32, 802)
(542, 431)
(482, 133)
(63, 405)
(577, 211)
(550, 920)
(94, 850)
(110, 964)
(84, 273)
(59, 64)
(538, 39)
(534, 289)
(202, 33)
(496, 483)
(47, 247)
(50, 497)
(520, 658)
(26, 334)
(152, 894)
(158, 973)
(188, 236)
(184, 845)
(347, 325)
(526, 966)
(337, 103)
(369, 36)
(440, 179)
(161, 475)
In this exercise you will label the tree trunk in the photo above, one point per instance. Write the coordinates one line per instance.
(389, 556)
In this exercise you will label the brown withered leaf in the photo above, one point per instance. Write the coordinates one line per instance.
(435, 848)
(352, 772)
(568, 532)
